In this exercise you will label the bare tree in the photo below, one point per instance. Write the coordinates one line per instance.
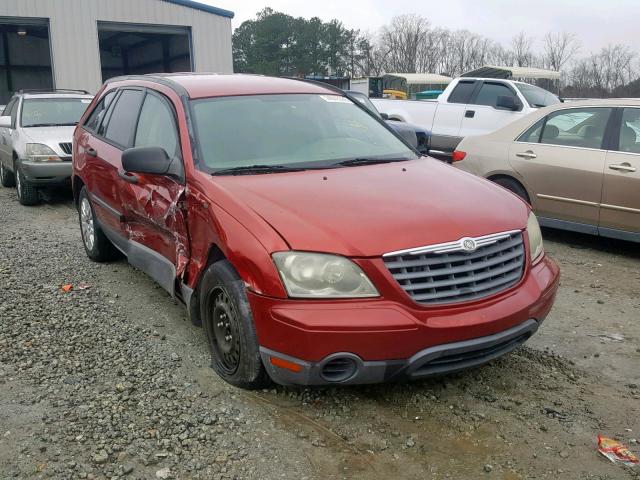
(402, 40)
(602, 73)
(559, 48)
(430, 52)
(411, 44)
(522, 50)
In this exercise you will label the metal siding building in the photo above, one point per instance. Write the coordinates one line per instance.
(91, 40)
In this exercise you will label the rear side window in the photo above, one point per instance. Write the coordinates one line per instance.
(93, 122)
(122, 121)
(577, 127)
(630, 131)
(156, 127)
(489, 93)
(533, 134)
(462, 92)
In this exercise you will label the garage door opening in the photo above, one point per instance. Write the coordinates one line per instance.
(138, 49)
(25, 57)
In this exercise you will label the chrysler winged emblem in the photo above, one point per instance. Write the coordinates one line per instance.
(469, 245)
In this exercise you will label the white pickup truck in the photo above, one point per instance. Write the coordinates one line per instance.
(468, 106)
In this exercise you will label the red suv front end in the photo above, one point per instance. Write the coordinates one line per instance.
(451, 281)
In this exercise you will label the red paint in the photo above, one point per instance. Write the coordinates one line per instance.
(360, 212)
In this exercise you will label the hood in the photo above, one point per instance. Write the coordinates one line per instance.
(370, 210)
(51, 136)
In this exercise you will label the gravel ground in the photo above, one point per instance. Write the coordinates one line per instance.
(112, 381)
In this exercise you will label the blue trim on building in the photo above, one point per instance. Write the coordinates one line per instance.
(203, 7)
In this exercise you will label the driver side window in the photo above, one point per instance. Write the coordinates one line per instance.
(157, 127)
(489, 93)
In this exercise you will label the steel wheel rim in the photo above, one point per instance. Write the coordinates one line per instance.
(1, 170)
(225, 335)
(86, 224)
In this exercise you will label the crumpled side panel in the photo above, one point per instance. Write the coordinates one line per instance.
(154, 217)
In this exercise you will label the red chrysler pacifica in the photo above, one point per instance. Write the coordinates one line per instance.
(312, 243)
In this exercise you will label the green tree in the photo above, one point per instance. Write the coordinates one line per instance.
(275, 43)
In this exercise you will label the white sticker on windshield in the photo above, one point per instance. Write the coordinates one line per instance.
(335, 99)
(85, 101)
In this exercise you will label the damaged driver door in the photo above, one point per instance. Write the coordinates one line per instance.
(155, 221)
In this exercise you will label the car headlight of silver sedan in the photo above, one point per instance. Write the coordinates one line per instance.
(321, 275)
(39, 152)
(535, 237)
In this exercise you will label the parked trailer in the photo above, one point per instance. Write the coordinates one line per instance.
(372, 87)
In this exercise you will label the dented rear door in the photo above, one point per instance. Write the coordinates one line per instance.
(154, 216)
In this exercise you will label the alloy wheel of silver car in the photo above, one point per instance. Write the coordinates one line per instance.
(86, 224)
(19, 185)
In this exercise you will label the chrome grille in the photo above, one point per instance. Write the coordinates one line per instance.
(447, 273)
(66, 147)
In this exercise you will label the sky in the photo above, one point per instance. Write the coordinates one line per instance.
(596, 23)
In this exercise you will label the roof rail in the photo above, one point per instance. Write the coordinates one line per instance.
(153, 78)
(52, 90)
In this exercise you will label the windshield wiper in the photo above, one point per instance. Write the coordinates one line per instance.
(248, 169)
(353, 162)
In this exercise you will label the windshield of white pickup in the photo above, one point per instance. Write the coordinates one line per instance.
(537, 97)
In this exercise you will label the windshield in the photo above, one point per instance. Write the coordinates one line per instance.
(293, 130)
(52, 112)
(537, 97)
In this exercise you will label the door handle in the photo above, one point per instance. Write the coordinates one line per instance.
(623, 167)
(469, 113)
(92, 152)
(528, 154)
(128, 177)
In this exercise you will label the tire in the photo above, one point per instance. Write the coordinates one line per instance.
(27, 192)
(7, 178)
(228, 324)
(513, 186)
(98, 247)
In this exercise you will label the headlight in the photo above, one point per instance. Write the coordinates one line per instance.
(320, 275)
(535, 237)
(38, 152)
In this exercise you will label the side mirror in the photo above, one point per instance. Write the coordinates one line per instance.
(507, 102)
(151, 160)
(384, 116)
(5, 122)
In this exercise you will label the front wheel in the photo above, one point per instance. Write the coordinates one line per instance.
(228, 323)
(7, 178)
(27, 192)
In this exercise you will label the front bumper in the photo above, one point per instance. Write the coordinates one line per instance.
(347, 368)
(375, 340)
(47, 173)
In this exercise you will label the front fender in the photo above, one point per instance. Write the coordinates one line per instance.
(213, 227)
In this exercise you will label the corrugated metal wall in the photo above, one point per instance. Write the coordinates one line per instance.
(74, 33)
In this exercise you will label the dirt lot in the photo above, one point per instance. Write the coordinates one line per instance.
(112, 381)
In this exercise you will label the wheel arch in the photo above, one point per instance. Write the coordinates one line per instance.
(76, 185)
(506, 176)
